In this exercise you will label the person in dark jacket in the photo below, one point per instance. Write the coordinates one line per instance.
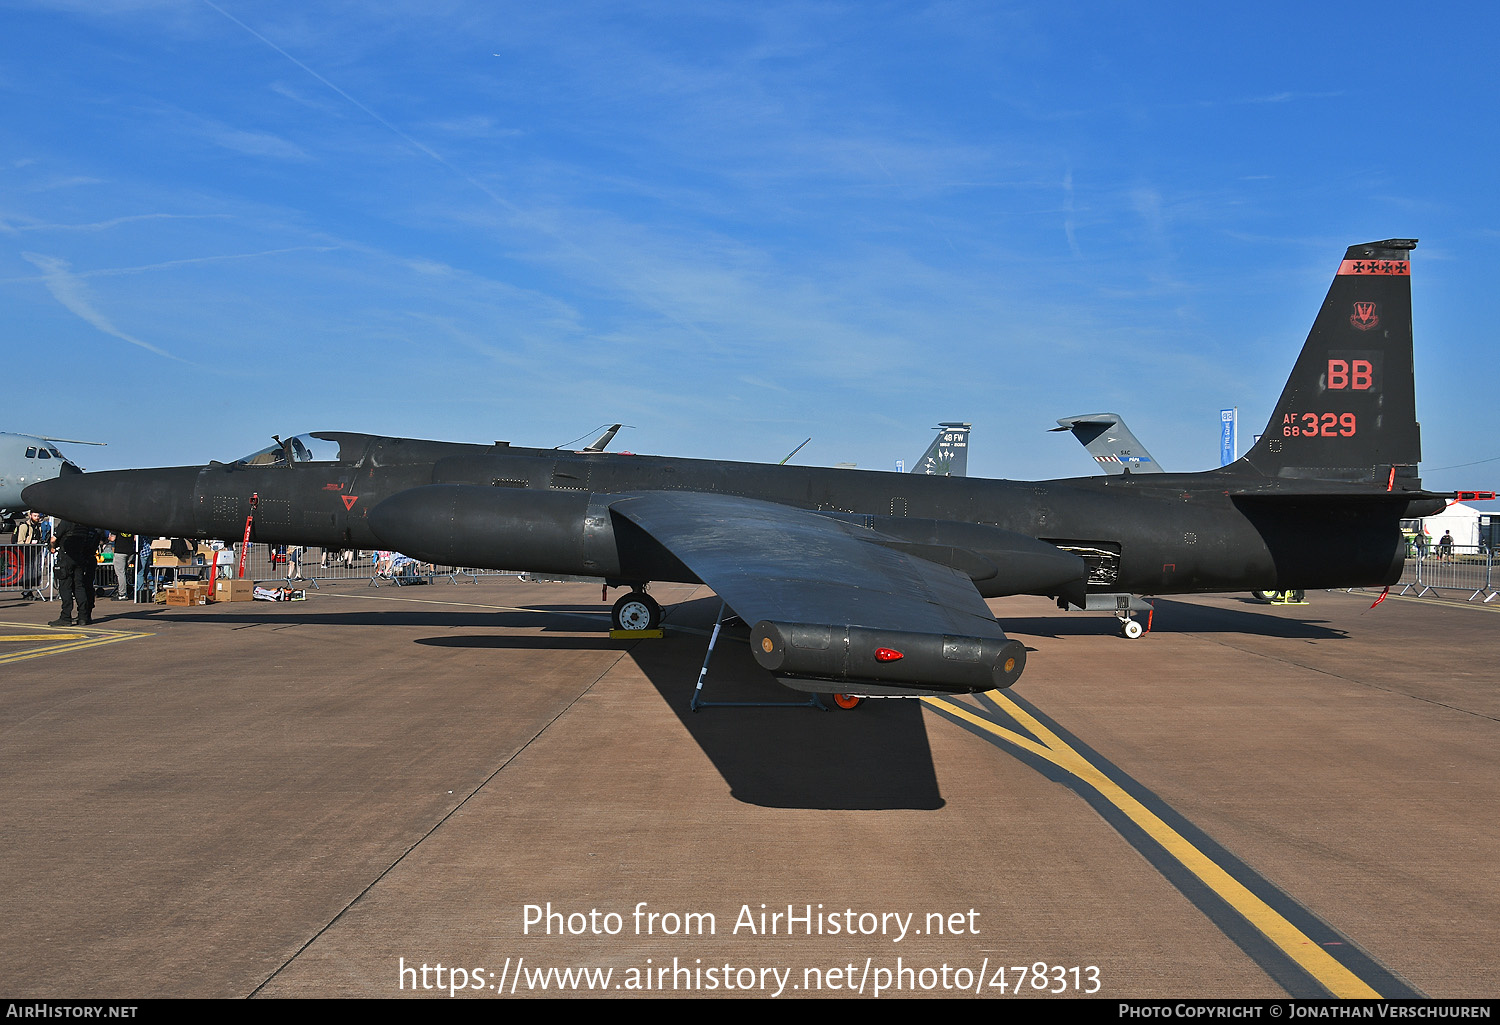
(77, 548)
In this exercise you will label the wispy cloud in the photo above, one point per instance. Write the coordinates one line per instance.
(113, 222)
(191, 260)
(476, 126)
(1068, 215)
(71, 182)
(71, 292)
(1289, 97)
(256, 144)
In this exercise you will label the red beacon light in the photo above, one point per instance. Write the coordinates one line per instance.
(887, 655)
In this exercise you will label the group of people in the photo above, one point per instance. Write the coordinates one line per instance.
(74, 551)
(1444, 545)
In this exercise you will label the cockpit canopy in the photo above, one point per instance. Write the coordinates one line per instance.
(316, 447)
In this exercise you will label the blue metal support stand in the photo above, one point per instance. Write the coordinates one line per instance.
(698, 701)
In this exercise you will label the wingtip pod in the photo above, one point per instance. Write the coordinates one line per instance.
(894, 661)
(1348, 412)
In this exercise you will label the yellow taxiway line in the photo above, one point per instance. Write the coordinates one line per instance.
(1336, 978)
(58, 640)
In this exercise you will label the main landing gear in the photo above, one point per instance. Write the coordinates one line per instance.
(1123, 605)
(636, 610)
(1295, 597)
(1131, 628)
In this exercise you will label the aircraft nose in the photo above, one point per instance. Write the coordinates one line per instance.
(45, 497)
(151, 502)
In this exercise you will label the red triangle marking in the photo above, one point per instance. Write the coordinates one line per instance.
(349, 501)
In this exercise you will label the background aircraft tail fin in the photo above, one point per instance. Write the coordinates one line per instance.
(1110, 442)
(602, 442)
(1349, 411)
(948, 455)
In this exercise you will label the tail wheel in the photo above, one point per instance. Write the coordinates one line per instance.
(848, 700)
(636, 611)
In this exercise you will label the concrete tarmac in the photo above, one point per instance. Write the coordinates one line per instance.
(333, 797)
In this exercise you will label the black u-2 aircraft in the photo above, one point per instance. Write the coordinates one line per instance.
(863, 582)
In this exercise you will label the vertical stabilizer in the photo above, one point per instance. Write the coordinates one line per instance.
(1110, 442)
(602, 442)
(1349, 410)
(948, 455)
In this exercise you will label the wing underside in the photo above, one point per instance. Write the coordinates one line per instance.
(827, 600)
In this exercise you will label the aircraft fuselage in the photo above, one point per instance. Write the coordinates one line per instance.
(547, 511)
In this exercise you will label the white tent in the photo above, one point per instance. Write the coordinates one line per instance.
(1462, 521)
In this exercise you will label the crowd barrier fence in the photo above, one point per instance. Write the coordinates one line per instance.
(1466, 571)
(28, 569)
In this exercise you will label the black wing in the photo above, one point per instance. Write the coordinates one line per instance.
(828, 601)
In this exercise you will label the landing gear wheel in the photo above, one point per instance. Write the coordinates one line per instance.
(1132, 629)
(1263, 595)
(635, 611)
(847, 701)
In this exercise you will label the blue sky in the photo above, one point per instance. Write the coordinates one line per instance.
(729, 225)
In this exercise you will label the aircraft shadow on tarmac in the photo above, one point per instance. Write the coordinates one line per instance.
(591, 626)
(869, 758)
(1256, 619)
(874, 757)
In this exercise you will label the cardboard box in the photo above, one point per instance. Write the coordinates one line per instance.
(186, 593)
(234, 590)
(164, 559)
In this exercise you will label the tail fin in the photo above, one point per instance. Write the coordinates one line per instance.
(1110, 442)
(948, 455)
(1349, 410)
(602, 442)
